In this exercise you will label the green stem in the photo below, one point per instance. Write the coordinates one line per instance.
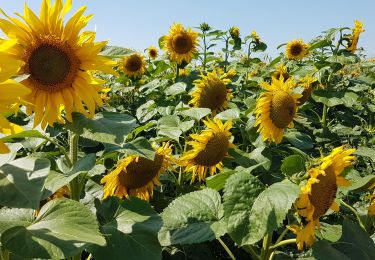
(177, 71)
(226, 53)
(324, 116)
(89, 257)
(251, 250)
(283, 243)
(282, 235)
(266, 245)
(204, 52)
(354, 212)
(75, 190)
(227, 249)
(61, 149)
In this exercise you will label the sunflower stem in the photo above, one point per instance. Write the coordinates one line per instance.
(204, 51)
(282, 235)
(177, 71)
(266, 246)
(4, 254)
(61, 148)
(324, 116)
(231, 255)
(251, 250)
(355, 212)
(226, 53)
(283, 243)
(75, 190)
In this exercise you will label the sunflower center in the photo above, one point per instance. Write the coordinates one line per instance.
(153, 53)
(134, 63)
(49, 64)
(296, 49)
(213, 95)
(140, 172)
(282, 109)
(323, 193)
(214, 152)
(182, 43)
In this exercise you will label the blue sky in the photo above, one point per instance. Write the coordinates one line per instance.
(138, 24)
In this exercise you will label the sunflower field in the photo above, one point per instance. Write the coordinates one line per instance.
(202, 147)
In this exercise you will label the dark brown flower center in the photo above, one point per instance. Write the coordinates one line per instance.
(133, 63)
(182, 43)
(296, 49)
(153, 53)
(213, 95)
(323, 193)
(283, 109)
(215, 151)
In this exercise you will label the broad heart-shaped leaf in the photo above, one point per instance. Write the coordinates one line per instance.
(106, 127)
(115, 52)
(354, 244)
(56, 180)
(366, 151)
(62, 229)
(195, 217)
(7, 157)
(132, 234)
(175, 89)
(196, 113)
(269, 210)
(21, 182)
(171, 127)
(139, 146)
(240, 192)
(229, 114)
(331, 99)
(300, 140)
(293, 164)
(11, 217)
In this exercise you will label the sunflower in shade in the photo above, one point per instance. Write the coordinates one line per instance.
(152, 52)
(208, 149)
(133, 65)
(357, 30)
(234, 32)
(59, 60)
(318, 195)
(211, 92)
(307, 82)
(296, 50)
(276, 108)
(181, 44)
(137, 176)
(281, 70)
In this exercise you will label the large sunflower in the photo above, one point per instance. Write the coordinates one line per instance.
(319, 193)
(133, 65)
(276, 108)
(208, 149)
(59, 61)
(211, 92)
(10, 90)
(181, 44)
(357, 30)
(152, 52)
(296, 50)
(137, 176)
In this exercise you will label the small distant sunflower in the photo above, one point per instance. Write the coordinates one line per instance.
(276, 108)
(211, 92)
(181, 44)
(137, 176)
(133, 65)
(59, 60)
(234, 32)
(208, 150)
(183, 72)
(10, 90)
(281, 70)
(152, 52)
(307, 82)
(357, 30)
(319, 193)
(255, 36)
(296, 50)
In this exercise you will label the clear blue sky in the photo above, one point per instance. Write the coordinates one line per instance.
(139, 23)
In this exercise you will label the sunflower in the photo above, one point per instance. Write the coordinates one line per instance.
(181, 44)
(276, 108)
(183, 72)
(296, 50)
(319, 193)
(59, 61)
(234, 32)
(307, 82)
(133, 65)
(152, 52)
(208, 150)
(10, 90)
(281, 70)
(357, 30)
(255, 36)
(137, 176)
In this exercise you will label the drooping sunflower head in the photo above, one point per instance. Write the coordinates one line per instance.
(208, 149)
(11, 92)
(255, 36)
(281, 70)
(234, 32)
(137, 176)
(296, 50)
(308, 83)
(152, 52)
(276, 108)
(319, 193)
(133, 65)
(357, 30)
(59, 60)
(181, 44)
(211, 92)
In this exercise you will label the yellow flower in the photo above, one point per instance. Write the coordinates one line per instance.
(371, 207)
(208, 150)
(306, 82)
(11, 91)
(296, 50)
(60, 61)
(281, 70)
(234, 32)
(255, 36)
(276, 108)
(133, 65)
(211, 92)
(357, 30)
(181, 44)
(319, 193)
(152, 52)
(183, 72)
(137, 176)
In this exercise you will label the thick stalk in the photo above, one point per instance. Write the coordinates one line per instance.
(264, 255)
(354, 212)
(251, 250)
(283, 243)
(227, 249)
(204, 52)
(324, 116)
(73, 154)
(226, 53)
(177, 71)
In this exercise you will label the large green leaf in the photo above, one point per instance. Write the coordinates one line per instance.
(171, 126)
(240, 192)
(62, 229)
(195, 217)
(21, 182)
(196, 113)
(229, 114)
(106, 127)
(132, 234)
(299, 140)
(115, 52)
(366, 151)
(176, 89)
(24, 134)
(293, 164)
(330, 98)
(7, 157)
(140, 146)
(12, 217)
